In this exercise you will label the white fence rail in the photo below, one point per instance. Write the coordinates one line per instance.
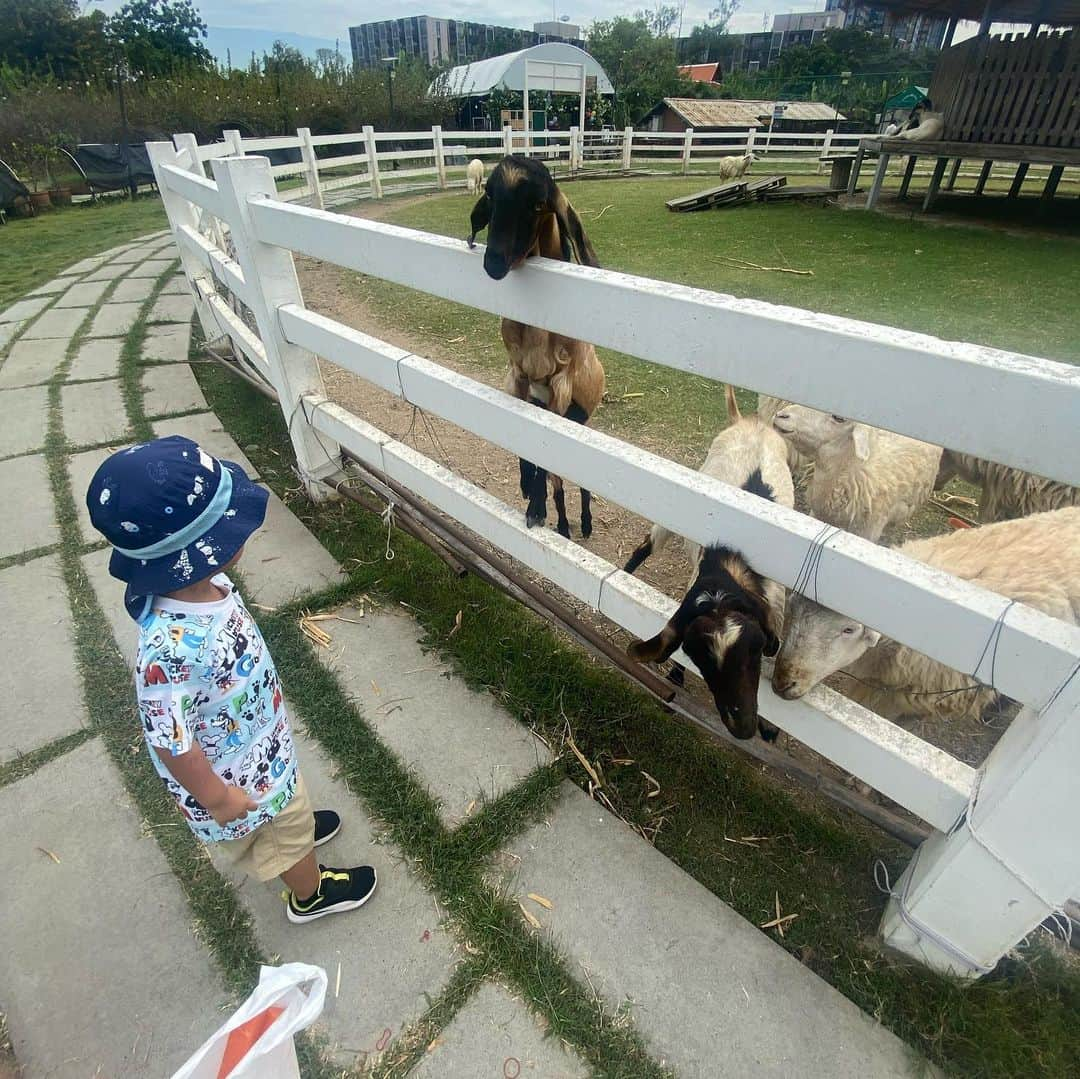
(995, 867)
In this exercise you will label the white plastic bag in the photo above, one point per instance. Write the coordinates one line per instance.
(257, 1041)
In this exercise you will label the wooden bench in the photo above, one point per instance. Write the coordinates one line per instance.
(840, 175)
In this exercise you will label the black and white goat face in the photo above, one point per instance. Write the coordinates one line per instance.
(724, 634)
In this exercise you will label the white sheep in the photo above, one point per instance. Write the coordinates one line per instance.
(1034, 560)
(474, 176)
(734, 168)
(767, 408)
(865, 479)
(891, 131)
(930, 127)
(1006, 492)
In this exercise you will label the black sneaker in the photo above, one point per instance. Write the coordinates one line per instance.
(327, 825)
(339, 890)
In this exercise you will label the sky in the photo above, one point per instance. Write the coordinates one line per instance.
(324, 21)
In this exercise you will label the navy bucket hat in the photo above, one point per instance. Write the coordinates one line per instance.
(173, 514)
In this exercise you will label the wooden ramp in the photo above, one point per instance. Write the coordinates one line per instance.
(732, 192)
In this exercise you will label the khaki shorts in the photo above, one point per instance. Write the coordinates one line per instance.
(275, 847)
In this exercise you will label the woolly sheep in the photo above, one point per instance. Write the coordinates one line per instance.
(930, 126)
(865, 479)
(734, 168)
(1034, 560)
(1006, 492)
(767, 408)
(474, 176)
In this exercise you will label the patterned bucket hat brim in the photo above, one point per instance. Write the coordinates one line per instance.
(174, 515)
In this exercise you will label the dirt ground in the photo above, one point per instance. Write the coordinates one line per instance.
(616, 531)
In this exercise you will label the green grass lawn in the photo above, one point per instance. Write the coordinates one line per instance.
(35, 249)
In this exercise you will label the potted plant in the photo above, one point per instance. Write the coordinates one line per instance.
(61, 189)
(37, 177)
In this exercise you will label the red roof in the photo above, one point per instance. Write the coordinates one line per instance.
(699, 72)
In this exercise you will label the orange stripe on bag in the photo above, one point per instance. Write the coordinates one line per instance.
(243, 1037)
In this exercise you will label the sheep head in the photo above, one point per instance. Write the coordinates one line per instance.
(526, 214)
(812, 432)
(817, 642)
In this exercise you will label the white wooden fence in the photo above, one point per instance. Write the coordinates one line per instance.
(439, 158)
(1000, 859)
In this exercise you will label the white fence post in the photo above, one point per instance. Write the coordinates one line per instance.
(270, 275)
(826, 148)
(750, 135)
(188, 143)
(508, 140)
(372, 161)
(179, 212)
(307, 151)
(687, 148)
(1011, 860)
(627, 147)
(234, 142)
(440, 159)
(575, 160)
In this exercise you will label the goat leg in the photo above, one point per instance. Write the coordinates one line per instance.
(563, 525)
(586, 513)
(527, 470)
(536, 514)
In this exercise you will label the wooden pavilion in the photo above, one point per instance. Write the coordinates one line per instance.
(1014, 98)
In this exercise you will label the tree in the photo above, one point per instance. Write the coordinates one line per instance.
(160, 37)
(285, 60)
(41, 37)
(710, 42)
(659, 19)
(641, 65)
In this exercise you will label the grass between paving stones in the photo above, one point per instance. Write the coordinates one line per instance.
(738, 833)
(39, 248)
(28, 763)
(26, 556)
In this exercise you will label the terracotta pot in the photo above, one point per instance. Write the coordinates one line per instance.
(40, 199)
(61, 196)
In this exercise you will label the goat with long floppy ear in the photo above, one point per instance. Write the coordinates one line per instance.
(526, 215)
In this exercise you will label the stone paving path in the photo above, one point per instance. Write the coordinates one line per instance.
(103, 971)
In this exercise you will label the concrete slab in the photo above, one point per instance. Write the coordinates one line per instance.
(177, 286)
(167, 343)
(25, 417)
(93, 412)
(98, 358)
(24, 309)
(108, 273)
(171, 389)
(648, 933)
(81, 469)
(494, 1034)
(394, 954)
(172, 309)
(283, 560)
(62, 324)
(85, 294)
(92, 263)
(114, 319)
(42, 690)
(87, 986)
(151, 268)
(136, 253)
(110, 596)
(28, 507)
(31, 362)
(206, 429)
(50, 288)
(8, 332)
(415, 703)
(133, 288)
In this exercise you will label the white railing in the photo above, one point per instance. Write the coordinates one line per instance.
(995, 867)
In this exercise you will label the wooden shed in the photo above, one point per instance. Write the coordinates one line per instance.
(1013, 98)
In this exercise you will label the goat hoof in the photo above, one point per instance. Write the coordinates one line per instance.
(586, 527)
(768, 732)
(677, 675)
(563, 528)
(535, 517)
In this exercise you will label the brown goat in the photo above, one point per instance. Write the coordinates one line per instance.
(526, 214)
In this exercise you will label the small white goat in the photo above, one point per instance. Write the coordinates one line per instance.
(747, 454)
(1006, 492)
(865, 479)
(930, 126)
(734, 168)
(474, 176)
(891, 130)
(1035, 560)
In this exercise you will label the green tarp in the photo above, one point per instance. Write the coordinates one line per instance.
(907, 98)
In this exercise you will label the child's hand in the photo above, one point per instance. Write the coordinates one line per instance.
(233, 805)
